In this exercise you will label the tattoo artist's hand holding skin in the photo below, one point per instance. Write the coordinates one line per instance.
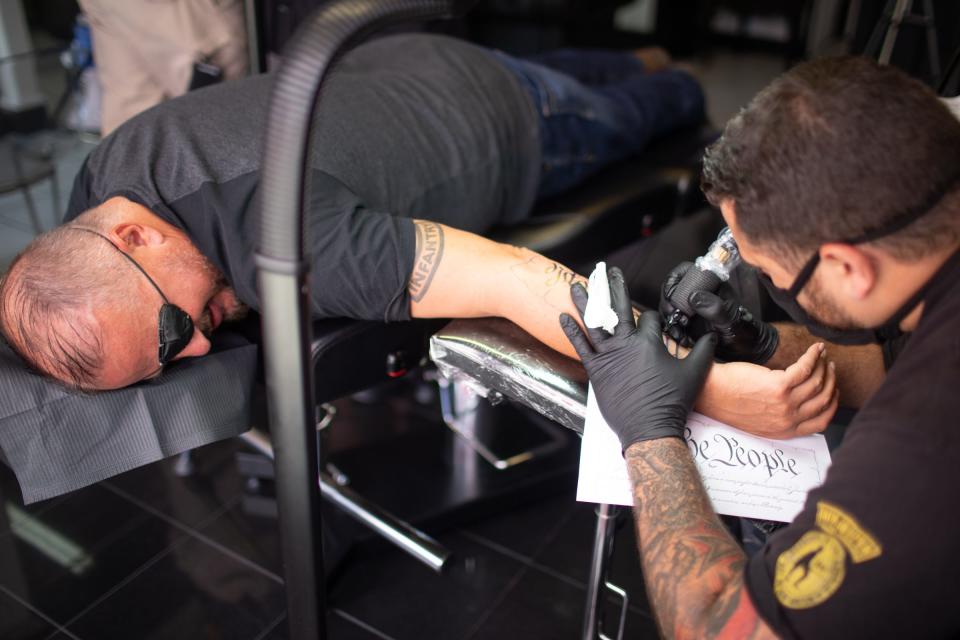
(644, 393)
(741, 337)
(773, 403)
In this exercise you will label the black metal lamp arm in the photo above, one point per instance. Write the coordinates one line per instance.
(282, 268)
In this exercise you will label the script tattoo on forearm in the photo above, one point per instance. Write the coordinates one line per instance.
(557, 273)
(528, 273)
(427, 257)
(692, 567)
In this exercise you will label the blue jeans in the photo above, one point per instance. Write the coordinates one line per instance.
(597, 107)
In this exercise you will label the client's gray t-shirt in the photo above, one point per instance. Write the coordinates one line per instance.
(409, 126)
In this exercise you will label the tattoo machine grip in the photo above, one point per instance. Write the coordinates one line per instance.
(707, 273)
(695, 279)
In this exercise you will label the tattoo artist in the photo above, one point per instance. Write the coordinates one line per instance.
(841, 185)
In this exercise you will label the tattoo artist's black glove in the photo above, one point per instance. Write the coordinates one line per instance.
(741, 337)
(643, 392)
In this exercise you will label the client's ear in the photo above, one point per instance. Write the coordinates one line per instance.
(131, 235)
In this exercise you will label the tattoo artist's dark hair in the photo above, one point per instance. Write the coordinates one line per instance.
(837, 147)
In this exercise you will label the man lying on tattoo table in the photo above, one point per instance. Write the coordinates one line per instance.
(421, 142)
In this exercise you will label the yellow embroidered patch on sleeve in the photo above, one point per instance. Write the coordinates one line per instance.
(840, 524)
(810, 571)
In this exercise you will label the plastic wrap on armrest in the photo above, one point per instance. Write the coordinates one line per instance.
(495, 354)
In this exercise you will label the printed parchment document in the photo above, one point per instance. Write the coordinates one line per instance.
(744, 475)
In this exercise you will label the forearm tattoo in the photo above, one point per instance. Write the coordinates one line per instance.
(542, 277)
(692, 567)
(557, 273)
(427, 257)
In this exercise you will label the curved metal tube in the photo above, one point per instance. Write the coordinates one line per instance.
(284, 293)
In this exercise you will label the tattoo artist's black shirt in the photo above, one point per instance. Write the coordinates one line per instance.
(409, 126)
(876, 551)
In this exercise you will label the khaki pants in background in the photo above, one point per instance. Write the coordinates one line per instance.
(145, 49)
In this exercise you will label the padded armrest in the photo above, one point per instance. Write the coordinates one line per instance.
(493, 354)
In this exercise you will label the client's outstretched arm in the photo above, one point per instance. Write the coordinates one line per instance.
(462, 275)
(457, 274)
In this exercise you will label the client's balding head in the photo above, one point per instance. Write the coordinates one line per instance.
(50, 296)
(82, 303)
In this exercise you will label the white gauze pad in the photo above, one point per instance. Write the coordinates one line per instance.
(598, 312)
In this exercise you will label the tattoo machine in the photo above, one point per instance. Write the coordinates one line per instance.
(708, 272)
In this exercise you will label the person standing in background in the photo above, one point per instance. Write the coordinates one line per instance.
(147, 51)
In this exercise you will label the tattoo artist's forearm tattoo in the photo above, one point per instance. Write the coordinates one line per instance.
(692, 567)
(427, 257)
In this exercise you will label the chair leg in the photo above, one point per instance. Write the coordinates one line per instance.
(32, 209)
(183, 466)
(403, 535)
(602, 552)
(55, 194)
(460, 408)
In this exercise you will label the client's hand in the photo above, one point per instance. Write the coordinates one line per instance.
(643, 392)
(796, 401)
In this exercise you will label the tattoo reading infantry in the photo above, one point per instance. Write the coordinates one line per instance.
(427, 257)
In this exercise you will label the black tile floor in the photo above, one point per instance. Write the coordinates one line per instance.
(151, 555)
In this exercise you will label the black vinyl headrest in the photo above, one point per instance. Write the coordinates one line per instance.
(57, 440)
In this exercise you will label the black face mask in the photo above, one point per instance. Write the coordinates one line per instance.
(890, 329)
(175, 326)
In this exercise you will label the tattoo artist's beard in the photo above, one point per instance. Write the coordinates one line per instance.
(827, 312)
